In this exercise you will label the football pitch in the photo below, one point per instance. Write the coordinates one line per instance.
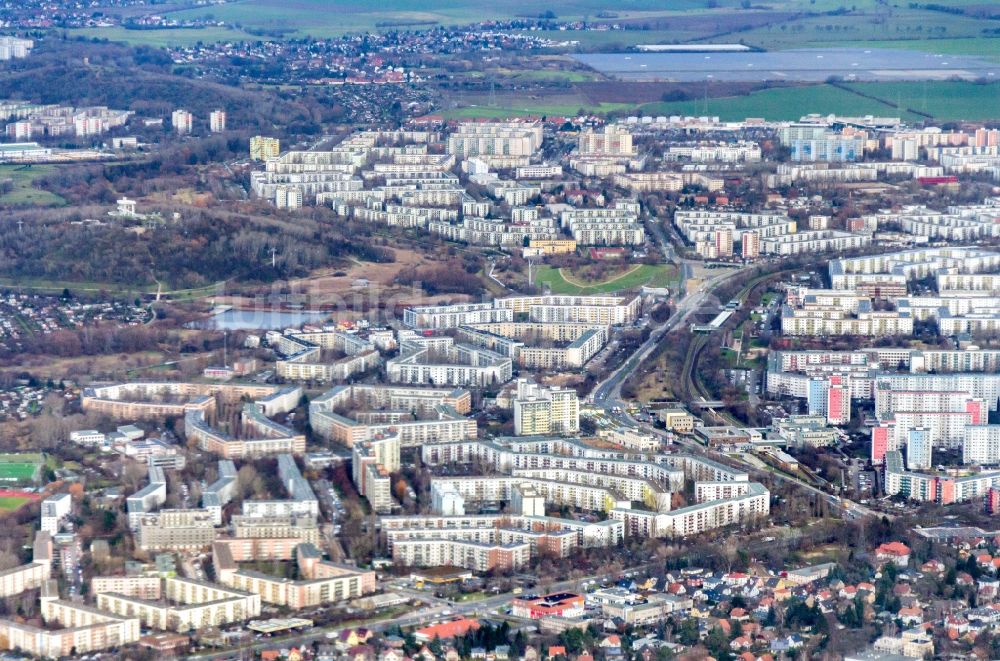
(19, 467)
(11, 503)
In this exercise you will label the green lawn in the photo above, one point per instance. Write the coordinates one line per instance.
(945, 100)
(24, 192)
(11, 503)
(658, 275)
(784, 103)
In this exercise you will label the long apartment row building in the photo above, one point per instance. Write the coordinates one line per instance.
(616, 225)
(602, 310)
(956, 223)
(828, 320)
(490, 541)
(265, 436)
(666, 182)
(941, 488)
(322, 582)
(574, 343)
(511, 233)
(71, 629)
(439, 360)
(748, 502)
(301, 355)
(791, 373)
(165, 399)
(182, 604)
(567, 471)
(788, 174)
(309, 175)
(349, 414)
(901, 267)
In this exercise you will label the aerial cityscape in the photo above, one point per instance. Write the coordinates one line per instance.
(452, 331)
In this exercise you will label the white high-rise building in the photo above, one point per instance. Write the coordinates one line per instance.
(615, 140)
(54, 508)
(182, 121)
(918, 449)
(217, 121)
(287, 197)
(542, 411)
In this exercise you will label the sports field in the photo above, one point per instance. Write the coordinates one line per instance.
(19, 468)
(11, 503)
(652, 275)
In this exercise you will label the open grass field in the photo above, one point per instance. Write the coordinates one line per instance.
(786, 103)
(24, 192)
(658, 275)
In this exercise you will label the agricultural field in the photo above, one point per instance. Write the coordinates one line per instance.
(653, 275)
(985, 47)
(535, 108)
(23, 192)
(786, 103)
(163, 38)
(321, 18)
(684, 19)
(944, 100)
(863, 28)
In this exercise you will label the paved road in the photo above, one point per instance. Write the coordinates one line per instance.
(608, 392)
